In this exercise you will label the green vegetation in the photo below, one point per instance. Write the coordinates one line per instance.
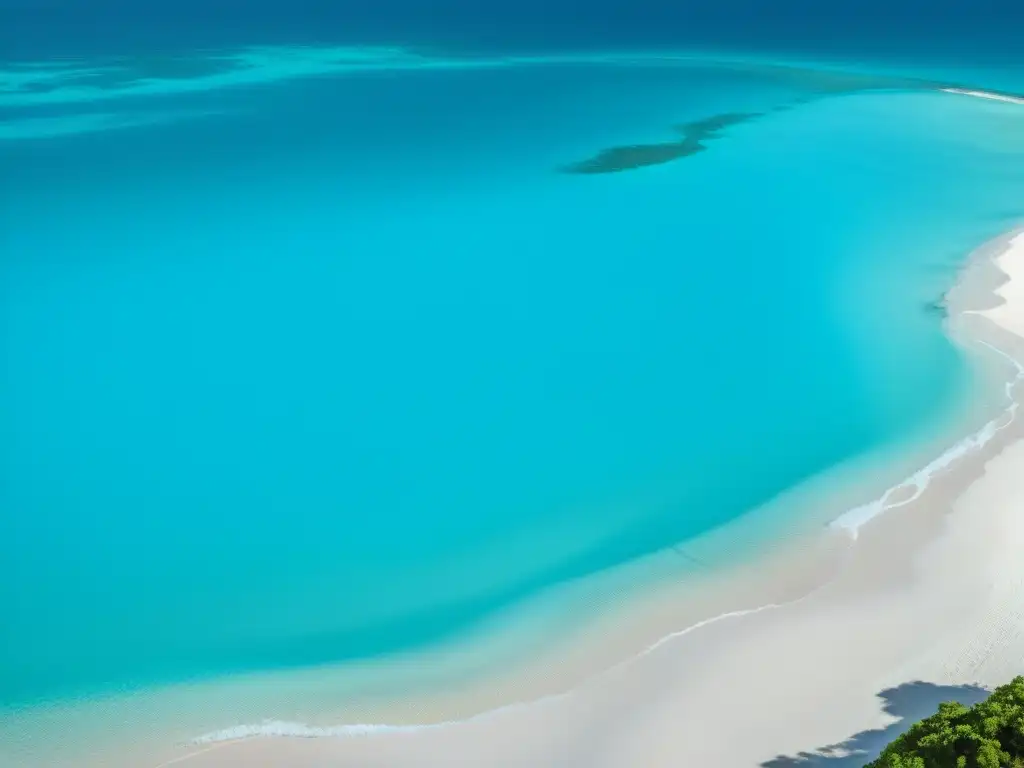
(987, 735)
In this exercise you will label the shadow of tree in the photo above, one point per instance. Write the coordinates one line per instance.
(910, 702)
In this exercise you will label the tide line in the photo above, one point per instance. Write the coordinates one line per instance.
(849, 522)
(852, 520)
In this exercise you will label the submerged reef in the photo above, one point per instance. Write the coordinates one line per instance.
(694, 135)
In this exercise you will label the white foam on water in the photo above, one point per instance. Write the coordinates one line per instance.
(851, 520)
(286, 728)
(296, 730)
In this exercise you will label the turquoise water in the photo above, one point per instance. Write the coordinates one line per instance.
(308, 369)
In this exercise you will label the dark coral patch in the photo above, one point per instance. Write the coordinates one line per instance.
(625, 158)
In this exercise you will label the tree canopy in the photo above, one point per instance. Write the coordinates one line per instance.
(987, 735)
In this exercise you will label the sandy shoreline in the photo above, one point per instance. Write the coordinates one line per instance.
(843, 626)
(928, 596)
(930, 592)
(925, 606)
(823, 638)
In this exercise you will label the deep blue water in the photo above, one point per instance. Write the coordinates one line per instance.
(324, 368)
(945, 28)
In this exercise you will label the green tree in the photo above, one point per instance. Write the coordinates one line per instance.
(987, 735)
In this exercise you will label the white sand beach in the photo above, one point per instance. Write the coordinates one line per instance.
(927, 606)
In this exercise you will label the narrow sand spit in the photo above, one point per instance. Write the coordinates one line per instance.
(986, 95)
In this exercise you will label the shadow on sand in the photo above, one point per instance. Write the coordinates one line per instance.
(910, 702)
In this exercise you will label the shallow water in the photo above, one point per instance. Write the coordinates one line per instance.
(314, 369)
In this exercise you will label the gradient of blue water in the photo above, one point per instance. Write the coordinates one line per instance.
(349, 366)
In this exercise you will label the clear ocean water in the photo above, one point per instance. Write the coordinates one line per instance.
(314, 354)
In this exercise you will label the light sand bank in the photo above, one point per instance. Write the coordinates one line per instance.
(931, 596)
(986, 95)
